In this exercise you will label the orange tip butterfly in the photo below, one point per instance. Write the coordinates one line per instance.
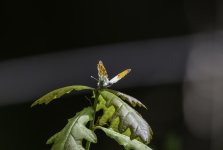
(103, 80)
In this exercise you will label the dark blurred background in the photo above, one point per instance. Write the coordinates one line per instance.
(174, 49)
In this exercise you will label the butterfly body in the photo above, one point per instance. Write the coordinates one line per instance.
(103, 80)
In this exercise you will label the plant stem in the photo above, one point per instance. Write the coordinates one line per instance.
(88, 144)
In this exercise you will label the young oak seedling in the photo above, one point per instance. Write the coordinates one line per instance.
(119, 120)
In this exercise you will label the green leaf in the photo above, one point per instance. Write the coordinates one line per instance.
(58, 93)
(128, 117)
(107, 115)
(124, 140)
(133, 101)
(71, 136)
(108, 112)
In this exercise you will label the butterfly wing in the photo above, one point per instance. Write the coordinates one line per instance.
(119, 76)
(101, 70)
(102, 75)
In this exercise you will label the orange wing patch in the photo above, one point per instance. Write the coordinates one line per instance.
(123, 73)
(101, 69)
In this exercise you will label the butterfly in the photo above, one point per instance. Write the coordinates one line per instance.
(103, 80)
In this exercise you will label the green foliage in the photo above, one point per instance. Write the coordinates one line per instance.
(125, 124)
(128, 117)
(124, 140)
(133, 101)
(58, 93)
(172, 141)
(71, 136)
(107, 111)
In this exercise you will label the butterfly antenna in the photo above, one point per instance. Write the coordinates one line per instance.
(94, 78)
